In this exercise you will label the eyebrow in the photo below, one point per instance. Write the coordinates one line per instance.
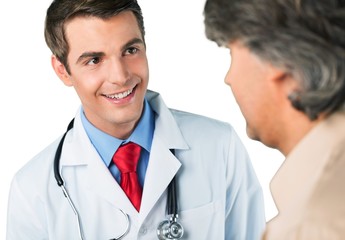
(101, 54)
(132, 42)
(89, 55)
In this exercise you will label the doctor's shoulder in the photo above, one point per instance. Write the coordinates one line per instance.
(215, 139)
(38, 169)
(199, 126)
(29, 194)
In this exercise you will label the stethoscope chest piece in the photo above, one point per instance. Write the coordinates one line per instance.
(170, 229)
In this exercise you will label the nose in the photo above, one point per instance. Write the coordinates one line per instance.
(118, 72)
(227, 78)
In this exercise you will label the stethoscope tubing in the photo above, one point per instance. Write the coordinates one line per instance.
(172, 196)
(57, 157)
(172, 207)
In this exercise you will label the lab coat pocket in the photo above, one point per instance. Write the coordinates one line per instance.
(204, 222)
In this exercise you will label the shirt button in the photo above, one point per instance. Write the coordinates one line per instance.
(143, 230)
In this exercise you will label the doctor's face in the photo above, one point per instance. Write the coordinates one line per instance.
(108, 69)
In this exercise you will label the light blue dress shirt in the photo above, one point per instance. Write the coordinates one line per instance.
(107, 145)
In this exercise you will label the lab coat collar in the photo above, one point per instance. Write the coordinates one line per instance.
(163, 165)
(77, 145)
(169, 132)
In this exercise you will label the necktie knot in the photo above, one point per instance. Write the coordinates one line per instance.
(126, 159)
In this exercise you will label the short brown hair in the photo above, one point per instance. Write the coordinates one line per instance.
(62, 11)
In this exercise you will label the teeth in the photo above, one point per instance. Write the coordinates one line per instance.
(120, 95)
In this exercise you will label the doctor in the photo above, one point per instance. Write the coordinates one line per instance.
(99, 49)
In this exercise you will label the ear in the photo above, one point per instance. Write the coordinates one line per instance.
(282, 80)
(61, 71)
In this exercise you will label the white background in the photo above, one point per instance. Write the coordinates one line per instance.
(185, 67)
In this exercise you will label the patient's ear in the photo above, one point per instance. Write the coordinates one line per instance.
(61, 71)
(282, 80)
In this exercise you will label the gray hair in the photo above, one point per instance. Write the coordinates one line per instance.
(305, 38)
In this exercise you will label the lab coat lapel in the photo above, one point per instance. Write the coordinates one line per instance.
(106, 186)
(96, 177)
(163, 165)
(161, 169)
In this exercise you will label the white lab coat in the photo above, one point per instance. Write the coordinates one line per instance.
(219, 195)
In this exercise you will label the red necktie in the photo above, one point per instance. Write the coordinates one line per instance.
(126, 159)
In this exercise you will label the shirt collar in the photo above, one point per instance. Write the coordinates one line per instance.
(106, 145)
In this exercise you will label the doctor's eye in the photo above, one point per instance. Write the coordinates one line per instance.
(93, 61)
(131, 51)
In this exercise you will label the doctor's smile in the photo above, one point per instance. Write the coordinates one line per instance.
(127, 165)
(122, 95)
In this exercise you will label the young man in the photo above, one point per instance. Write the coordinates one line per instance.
(288, 76)
(99, 49)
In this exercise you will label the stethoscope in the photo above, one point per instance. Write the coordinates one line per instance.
(167, 229)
